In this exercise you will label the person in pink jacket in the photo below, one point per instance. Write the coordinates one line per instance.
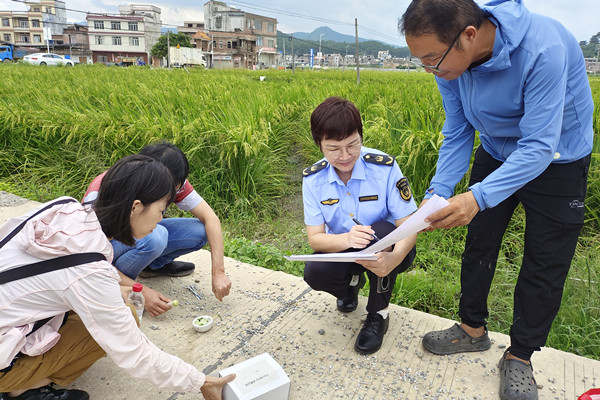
(84, 304)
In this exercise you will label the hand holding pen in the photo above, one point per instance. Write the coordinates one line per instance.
(383, 283)
(357, 222)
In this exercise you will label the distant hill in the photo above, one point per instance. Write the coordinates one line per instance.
(334, 42)
(328, 34)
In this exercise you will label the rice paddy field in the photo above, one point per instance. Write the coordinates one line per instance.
(247, 142)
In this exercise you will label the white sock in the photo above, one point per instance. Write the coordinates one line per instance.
(384, 313)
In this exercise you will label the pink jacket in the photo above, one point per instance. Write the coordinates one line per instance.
(91, 290)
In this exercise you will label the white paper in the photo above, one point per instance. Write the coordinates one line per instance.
(414, 224)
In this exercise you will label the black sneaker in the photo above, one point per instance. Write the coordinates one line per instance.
(349, 302)
(174, 268)
(370, 338)
(49, 393)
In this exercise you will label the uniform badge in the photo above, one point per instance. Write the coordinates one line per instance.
(404, 189)
(373, 197)
(314, 168)
(379, 159)
(330, 202)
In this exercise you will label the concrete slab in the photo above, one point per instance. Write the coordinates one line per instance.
(269, 311)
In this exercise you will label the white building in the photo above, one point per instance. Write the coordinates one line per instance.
(126, 37)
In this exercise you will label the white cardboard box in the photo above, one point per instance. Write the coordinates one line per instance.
(259, 378)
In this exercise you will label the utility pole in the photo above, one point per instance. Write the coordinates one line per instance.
(345, 58)
(320, 36)
(293, 56)
(357, 56)
(168, 48)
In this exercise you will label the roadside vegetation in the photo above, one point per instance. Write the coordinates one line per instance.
(247, 142)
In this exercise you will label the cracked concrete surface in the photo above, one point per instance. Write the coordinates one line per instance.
(270, 311)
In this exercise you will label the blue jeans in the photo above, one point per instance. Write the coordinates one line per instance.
(172, 237)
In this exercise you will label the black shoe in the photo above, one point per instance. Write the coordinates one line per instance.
(49, 393)
(371, 335)
(174, 268)
(350, 301)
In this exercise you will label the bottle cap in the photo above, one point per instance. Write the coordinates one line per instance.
(137, 287)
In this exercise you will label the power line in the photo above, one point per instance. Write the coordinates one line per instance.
(309, 17)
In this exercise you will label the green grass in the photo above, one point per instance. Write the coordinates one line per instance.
(247, 142)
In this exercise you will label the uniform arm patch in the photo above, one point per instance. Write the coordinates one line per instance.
(379, 159)
(314, 168)
(404, 189)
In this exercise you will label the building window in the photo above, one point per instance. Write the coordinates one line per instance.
(37, 38)
(35, 23)
(7, 37)
(98, 24)
(259, 41)
(23, 23)
(25, 38)
(248, 25)
(258, 25)
(115, 25)
(5, 22)
(134, 41)
(228, 44)
(103, 59)
(99, 39)
(271, 27)
(116, 40)
(270, 43)
(133, 26)
(49, 10)
(218, 22)
(36, 9)
(234, 44)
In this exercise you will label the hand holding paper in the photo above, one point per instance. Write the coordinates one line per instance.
(414, 224)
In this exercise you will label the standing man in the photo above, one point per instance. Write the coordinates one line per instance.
(154, 255)
(519, 79)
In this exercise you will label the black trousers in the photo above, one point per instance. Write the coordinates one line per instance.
(334, 277)
(554, 212)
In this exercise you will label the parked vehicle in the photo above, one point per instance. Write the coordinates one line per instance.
(47, 59)
(186, 56)
(9, 53)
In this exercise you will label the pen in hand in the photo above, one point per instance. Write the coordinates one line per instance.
(357, 222)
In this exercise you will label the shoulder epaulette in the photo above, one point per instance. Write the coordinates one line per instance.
(314, 168)
(379, 159)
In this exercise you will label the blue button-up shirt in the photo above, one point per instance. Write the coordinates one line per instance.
(370, 195)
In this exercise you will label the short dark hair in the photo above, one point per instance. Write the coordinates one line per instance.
(135, 177)
(443, 18)
(335, 119)
(172, 157)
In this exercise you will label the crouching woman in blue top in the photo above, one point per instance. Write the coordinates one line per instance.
(351, 197)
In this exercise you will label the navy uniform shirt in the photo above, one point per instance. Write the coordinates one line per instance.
(376, 191)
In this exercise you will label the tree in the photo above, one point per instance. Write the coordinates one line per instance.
(590, 49)
(160, 48)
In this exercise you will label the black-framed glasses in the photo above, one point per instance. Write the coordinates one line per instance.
(436, 68)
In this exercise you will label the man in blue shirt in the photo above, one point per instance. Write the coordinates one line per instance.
(354, 185)
(518, 79)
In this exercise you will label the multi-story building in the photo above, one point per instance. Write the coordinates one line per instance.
(240, 39)
(39, 26)
(190, 28)
(76, 43)
(124, 37)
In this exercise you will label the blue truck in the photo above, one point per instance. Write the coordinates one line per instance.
(9, 53)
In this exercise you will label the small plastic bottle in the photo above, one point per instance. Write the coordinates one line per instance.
(136, 299)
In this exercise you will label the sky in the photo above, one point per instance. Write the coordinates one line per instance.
(377, 19)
